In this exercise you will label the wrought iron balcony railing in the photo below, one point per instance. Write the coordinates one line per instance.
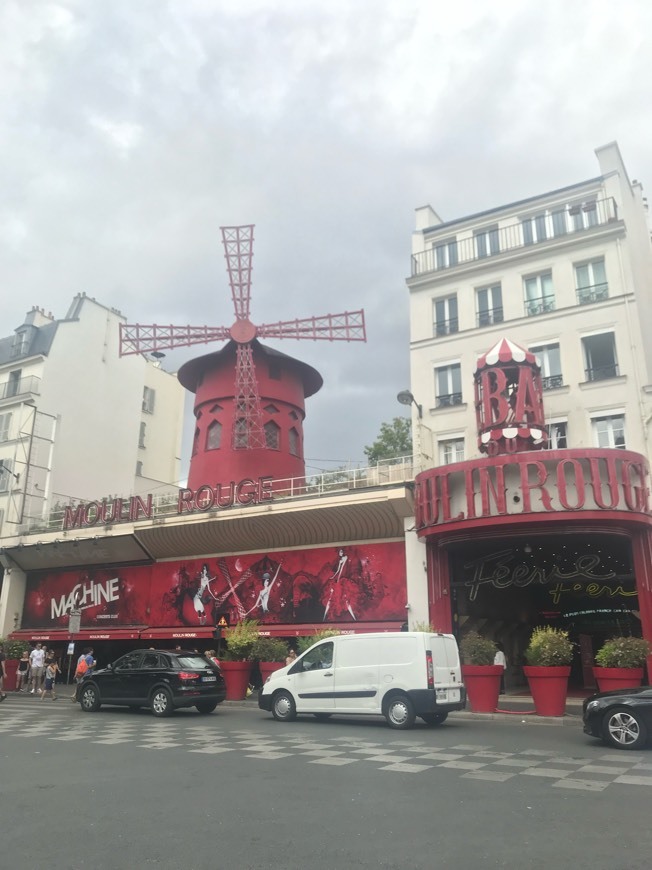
(556, 224)
(595, 293)
(552, 382)
(533, 307)
(493, 315)
(446, 327)
(602, 373)
(449, 399)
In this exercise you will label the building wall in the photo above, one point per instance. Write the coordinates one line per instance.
(619, 238)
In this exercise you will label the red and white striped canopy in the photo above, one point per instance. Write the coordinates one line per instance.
(506, 351)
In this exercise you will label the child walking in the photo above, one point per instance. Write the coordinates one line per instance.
(51, 671)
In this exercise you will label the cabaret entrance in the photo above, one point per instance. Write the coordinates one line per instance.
(584, 583)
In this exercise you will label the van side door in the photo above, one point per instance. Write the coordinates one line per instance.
(312, 680)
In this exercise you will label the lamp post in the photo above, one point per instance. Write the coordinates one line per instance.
(405, 397)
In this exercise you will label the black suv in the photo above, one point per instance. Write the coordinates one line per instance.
(159, 679)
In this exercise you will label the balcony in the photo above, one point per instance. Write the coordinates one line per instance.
(596, 293)
(560, 223)
(23, 387)
(552, 382)
(543, 304)
(448, 400)
(446, 327)
(487, 318)
(602, 373)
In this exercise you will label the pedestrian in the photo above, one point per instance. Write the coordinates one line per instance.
(36, 665)
(500, 659)
(22, 674)
(211, 655)
(3, 673)
(290, 658)
(51, 670)
(85, 663)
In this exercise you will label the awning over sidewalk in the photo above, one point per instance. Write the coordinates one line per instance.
(203, 632)
(37, 634)
(305, 630)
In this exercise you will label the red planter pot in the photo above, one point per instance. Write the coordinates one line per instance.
(267, 668)
(549, 687)
(483, 686)
(236, 675)
(11, 666)
(618, 678)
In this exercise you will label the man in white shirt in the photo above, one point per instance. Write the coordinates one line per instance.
(500, 659)
(37, 661)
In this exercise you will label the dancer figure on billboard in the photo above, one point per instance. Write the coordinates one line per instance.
(338, 598)
(205, 581)
(263, 596)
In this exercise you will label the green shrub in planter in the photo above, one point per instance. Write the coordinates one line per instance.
(15, 648)
(269, 649)
(304, 643)
(549, 648)
(477, 650)
(623, 652)
(423, 626)
(240, 640)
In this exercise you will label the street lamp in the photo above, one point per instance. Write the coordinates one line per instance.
(405, 397)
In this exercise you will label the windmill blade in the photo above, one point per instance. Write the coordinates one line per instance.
(247, 418)
(139, 338)
(349, 326)
(238, 252)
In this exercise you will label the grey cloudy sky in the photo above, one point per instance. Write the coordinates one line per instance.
(130, 130)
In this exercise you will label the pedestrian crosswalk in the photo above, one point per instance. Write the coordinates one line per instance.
(592, 771)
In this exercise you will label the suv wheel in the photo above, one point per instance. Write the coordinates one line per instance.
(90, 699)
(206, 706)
(161, 702)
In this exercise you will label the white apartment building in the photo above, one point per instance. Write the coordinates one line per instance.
(76, 420)
(566, 274)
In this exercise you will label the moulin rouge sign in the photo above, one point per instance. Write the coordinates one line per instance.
(205, 498)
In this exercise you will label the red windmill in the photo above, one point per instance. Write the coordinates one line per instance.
(248, 390)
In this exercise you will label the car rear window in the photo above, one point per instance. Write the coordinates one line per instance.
(193, 662)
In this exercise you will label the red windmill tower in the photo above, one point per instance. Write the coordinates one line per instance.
(249, 398)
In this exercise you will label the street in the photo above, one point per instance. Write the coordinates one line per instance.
(118, 789)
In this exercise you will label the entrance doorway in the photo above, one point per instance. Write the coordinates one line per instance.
(581, 583)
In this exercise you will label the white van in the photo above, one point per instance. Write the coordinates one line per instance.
(399, 675)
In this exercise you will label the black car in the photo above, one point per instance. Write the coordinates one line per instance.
(622, 718)
(159, 679)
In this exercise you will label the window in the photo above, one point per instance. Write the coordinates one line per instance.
(139, 469)
(149, 397)
(20, 344)
(534, 229)
(320, 657)
(446, 254)
(128, 662)
(294, 442)
(600, 356)
(271, 409)
(490, 305)
(451, 450)
(583, 215)
(241, 436)
(14, 382)
(445, 316)
(215, 409)
(6, 474)
(141, 435)
(272, 435)
(550, 361)
(214, 435)
(195, 442)
(559, 222)
(294, 415)
(591, 281)
(609, 431)
(557, 433)
(5, 426)
(448, 385)
(151, 660)
(487, 241)
(539, 294)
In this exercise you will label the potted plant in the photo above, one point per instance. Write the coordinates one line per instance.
(270, 653)
(548, 657)
(481, 676)
(620, 662)
(13, 650)
(236, 662)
